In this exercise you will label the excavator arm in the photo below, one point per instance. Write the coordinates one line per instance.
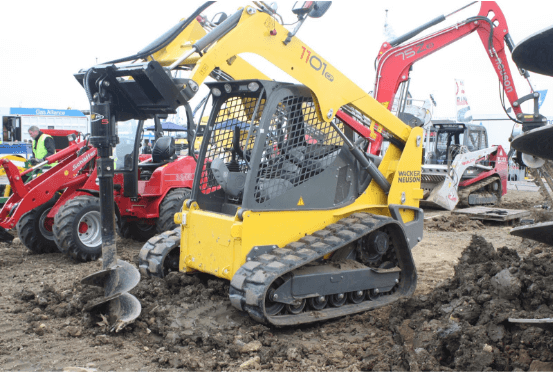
(397, 57)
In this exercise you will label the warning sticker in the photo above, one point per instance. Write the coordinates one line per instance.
(300, 202)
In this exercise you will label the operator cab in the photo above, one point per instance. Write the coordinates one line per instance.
(446, 139)
(264, 148)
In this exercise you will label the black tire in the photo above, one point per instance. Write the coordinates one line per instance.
(160, 255)
(135, 230)
(5, 236)
(32, 232)
(77, 228)
(171, 204)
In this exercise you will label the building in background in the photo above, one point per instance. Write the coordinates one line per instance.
(16, 122)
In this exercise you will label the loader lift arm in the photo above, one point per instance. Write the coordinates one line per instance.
(396, 59)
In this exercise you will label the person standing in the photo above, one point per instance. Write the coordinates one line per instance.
(42, 144)
(146, 149)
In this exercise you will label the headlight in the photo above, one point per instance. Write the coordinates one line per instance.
(253, 86)
(216, 92)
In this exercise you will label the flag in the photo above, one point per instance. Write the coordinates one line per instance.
(542, 93)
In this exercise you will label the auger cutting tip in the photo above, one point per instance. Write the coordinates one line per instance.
(117, 281)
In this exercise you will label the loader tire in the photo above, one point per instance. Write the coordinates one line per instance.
(160, 255)
(136, 230)
(78, 228)
(5, 236)
(33, 233)
(171, 204)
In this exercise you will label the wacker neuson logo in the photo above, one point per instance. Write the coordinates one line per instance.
(409, 177)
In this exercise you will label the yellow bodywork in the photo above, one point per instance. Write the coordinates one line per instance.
(218, 243)
(18, 160)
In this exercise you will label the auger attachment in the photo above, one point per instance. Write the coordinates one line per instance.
(116, 279)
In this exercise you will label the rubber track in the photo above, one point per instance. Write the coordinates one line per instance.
(153, 253)
(465, 192)
(251, 282)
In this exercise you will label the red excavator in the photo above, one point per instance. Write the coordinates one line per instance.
(394, 63)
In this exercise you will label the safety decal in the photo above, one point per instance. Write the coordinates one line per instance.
(300, 202)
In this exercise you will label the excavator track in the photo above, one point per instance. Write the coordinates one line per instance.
(466, 192)
(251, 283)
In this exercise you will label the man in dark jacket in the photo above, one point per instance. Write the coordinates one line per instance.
(43, 145)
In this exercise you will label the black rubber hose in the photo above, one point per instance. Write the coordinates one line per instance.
(166, 38)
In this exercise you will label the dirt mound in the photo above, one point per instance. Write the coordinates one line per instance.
(187, 322)
(522, 204)
(452, 223)
(463, 324)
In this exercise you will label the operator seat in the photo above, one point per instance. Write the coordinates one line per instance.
(163, 152)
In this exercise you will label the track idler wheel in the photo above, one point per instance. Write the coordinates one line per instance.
(296, 308)
(337, 300)
(272, 306)
(318, 303)
(356, 297)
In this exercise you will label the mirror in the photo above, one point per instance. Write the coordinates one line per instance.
(319, 9)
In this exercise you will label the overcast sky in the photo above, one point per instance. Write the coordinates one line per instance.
(43, 43)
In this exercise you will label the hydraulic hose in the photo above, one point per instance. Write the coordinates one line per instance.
(166, 38)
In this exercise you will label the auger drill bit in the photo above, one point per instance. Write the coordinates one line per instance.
(117, 277)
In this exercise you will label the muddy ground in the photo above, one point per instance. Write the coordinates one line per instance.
(455, 321)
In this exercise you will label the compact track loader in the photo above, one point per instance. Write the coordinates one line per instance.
(296, 224)
(277, 170)
(285, 204)
(459, 167)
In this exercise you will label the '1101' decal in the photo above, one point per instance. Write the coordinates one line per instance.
(316, 63)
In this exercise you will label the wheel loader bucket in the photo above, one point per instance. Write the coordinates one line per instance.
(443, 195)
(117, 281)
(541, 232)
(537, 142)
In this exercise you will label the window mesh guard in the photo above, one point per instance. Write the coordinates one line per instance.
(234, 115)
(297, 147)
